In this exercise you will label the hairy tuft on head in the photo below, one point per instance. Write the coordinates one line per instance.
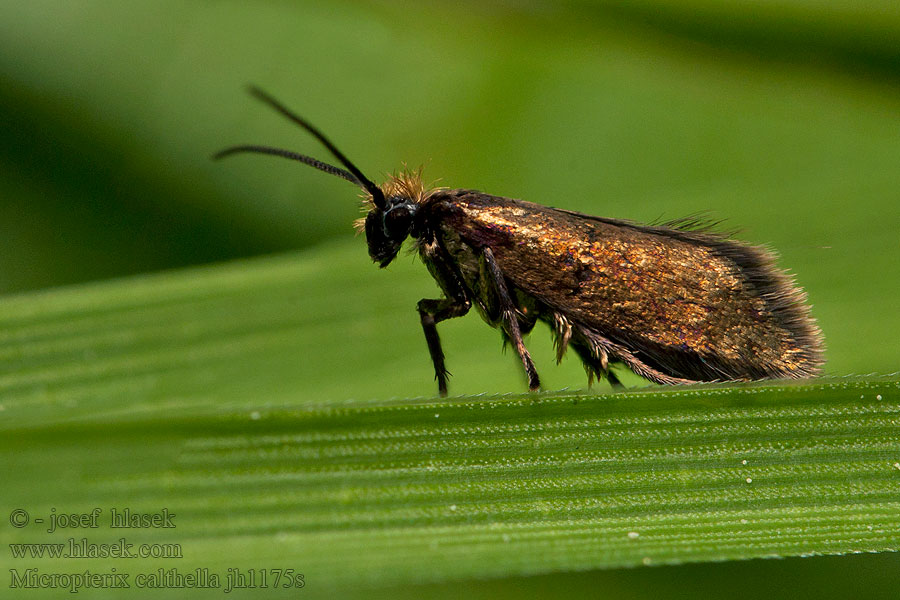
(406, 183)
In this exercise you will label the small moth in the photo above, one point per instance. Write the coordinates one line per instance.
(676, 303)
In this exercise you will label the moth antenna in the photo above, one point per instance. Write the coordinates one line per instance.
(307, 160)
(360, 179)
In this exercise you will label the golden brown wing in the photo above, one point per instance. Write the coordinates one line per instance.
(694, 305)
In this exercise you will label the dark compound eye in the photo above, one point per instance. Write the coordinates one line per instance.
(397, 221)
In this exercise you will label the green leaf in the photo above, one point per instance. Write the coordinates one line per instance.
(220, 394)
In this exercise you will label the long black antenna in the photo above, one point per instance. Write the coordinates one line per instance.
(352, 173)
(308, 160)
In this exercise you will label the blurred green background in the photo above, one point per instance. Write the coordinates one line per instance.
(781, 117)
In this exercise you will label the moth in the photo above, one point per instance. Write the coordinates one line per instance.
(676, 303)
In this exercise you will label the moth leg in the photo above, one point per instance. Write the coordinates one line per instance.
(593, 355)
(598, 344)
(432, 312)
(509, 317)
(614, 381)
(591, 362)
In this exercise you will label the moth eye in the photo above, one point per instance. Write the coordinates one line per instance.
(397, 221)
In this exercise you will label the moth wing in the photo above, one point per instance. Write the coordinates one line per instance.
(691, 304)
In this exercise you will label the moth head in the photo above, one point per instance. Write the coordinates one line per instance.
(390, 220)
(387, 227)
